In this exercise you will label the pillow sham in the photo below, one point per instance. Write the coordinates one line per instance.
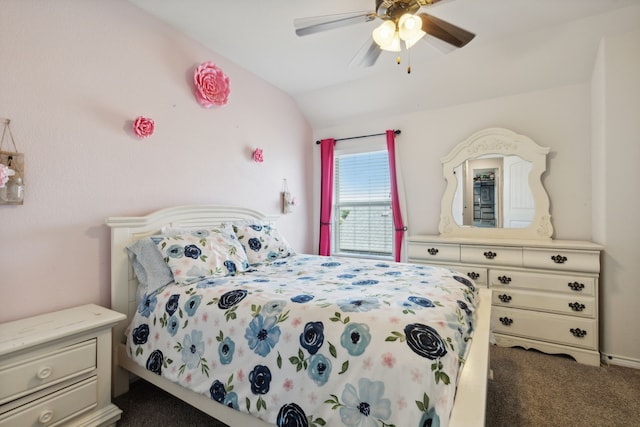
(202, 253)
(176, 231)
(261, 241)
(149, 267)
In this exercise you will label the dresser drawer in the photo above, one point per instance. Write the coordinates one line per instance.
(493, 255)
(56, 408)
(567, 330)
(477, 274)
(565, 260)
(563, 283)
(554, 303)
(437, 252)
(35, 371)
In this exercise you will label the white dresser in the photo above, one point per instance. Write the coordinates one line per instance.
(55, 369)
(545, 292)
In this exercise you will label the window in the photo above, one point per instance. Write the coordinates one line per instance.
(362, 217)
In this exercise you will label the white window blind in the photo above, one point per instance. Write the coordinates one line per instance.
(363, 221)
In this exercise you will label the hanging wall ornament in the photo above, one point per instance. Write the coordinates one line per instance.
(212, 85)
(11, 169)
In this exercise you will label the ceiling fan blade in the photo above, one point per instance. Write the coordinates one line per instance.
(367, 55)
(445, 31)
(438, 44)
(316, 24)
(431, 2)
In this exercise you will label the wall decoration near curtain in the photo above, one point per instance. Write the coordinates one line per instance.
(288, 201)
(326, 194)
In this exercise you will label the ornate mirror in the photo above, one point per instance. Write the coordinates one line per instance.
(494, 188)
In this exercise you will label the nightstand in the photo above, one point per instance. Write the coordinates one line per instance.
(55, 369)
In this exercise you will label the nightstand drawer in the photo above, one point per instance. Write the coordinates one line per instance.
(35, 371)
(55, 408)
(436, 252)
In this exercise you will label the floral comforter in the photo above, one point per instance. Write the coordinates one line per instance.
(314, 341)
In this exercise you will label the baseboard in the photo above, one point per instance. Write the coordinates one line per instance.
(610, 359)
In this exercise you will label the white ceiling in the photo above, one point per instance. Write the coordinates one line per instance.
(552, 41)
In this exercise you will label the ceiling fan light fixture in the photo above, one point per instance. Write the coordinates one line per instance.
(410, 29)
(401, 22)
(387, 37)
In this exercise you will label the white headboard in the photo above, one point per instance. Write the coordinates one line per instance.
(126, 230)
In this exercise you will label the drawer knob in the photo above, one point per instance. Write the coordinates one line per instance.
(45, 416)
(473, 275)
(559, 259)
(576, 306)
(44, 372)
(505, 280)
(490, 255)
(577, 332)
(575, 286)
(433, 251)
(504, 298)
(506, 321)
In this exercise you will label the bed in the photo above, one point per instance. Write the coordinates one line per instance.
(266, 336)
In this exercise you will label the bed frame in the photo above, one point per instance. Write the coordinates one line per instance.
(470, 402)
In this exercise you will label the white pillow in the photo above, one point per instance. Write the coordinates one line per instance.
(199, 254)
(261, 241)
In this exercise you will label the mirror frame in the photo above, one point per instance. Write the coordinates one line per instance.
(505, 142)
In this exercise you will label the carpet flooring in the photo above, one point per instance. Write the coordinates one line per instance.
(529, 389)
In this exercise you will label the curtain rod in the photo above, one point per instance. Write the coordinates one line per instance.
(397, 132)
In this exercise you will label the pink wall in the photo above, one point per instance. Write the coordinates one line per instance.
(73, 75)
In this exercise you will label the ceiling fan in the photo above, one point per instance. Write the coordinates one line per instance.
(401, 23)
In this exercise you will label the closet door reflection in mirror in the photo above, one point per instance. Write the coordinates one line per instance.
(494, 192)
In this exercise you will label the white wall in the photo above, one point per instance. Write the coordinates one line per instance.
(73, 75)
(616, 136)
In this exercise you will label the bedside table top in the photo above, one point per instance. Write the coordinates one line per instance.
(32, 331)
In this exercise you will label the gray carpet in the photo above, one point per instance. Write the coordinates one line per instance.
(529, 389)
(535, 389)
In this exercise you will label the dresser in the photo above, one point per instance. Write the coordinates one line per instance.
(544, 292)
(55, 369)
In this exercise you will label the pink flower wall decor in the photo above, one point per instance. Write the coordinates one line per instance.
(5, 173)
(212, 85)
(257, 155)
(143, 127)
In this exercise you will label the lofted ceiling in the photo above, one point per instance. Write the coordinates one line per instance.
(520, 45)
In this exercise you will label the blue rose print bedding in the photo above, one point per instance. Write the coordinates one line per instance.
(314, 341)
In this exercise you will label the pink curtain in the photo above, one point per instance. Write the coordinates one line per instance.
(395, 201)
(326, 194)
